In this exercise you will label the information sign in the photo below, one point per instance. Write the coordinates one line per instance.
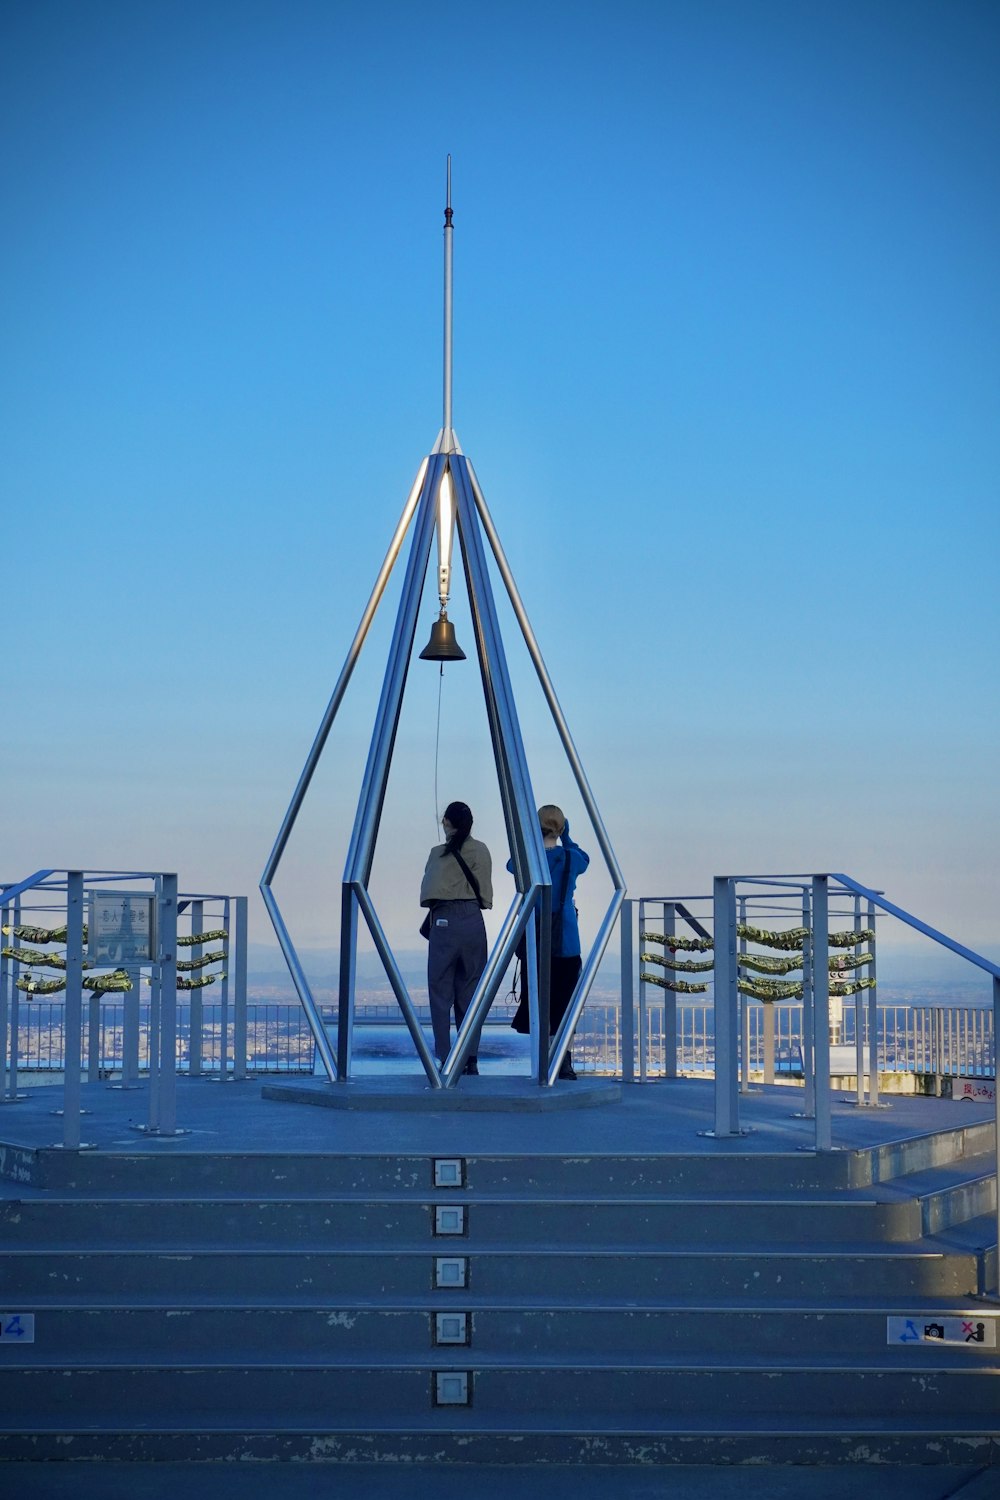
(975, 1331)
(121, 927)
(17, 1328)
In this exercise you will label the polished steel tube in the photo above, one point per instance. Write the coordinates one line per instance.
(342, 681)
(398, 985)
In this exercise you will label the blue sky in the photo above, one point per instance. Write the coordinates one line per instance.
(726, 331)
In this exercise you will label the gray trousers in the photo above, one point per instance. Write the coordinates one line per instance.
(456, 958)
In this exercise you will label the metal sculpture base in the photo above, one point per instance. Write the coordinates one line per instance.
(480, 1094)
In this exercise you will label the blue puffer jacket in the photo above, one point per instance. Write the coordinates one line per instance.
(578, 862)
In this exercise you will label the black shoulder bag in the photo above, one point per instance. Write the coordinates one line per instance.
(425, 926)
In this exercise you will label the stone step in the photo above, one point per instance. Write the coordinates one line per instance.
(320, 1223)
(644, 1450)
(200, 1397)
(922, 1268)
(81, 1334)
(165, 1166)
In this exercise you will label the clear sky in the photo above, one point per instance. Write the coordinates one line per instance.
(726, 346)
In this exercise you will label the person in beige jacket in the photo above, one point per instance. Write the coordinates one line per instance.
(456, 898)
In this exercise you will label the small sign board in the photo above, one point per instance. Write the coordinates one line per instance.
(121, 927)
(979, 1090)
(17, 1328)
(974, 1331)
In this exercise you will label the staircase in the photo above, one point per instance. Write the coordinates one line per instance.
(712, 1308)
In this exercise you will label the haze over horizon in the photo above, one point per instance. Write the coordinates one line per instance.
(726, 326)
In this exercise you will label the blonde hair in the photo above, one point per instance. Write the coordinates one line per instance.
(552, 820)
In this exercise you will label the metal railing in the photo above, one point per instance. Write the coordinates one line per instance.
(955, 1040)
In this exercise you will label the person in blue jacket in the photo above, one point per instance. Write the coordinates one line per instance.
(567, 861)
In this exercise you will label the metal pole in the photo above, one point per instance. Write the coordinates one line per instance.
(669, 1001)
(73, 1010)
(642, 1031)
(240, 994)
(4, 1011)
(131, 1008)
(996, 1112)
(859, 1022)
(94, 1038)
(628, 986)
(323, 1048)
(743, 1001)
(196, 1009)
(590, 968)
(167, 929)
(808, 1027)
(15, 1018)
(821, 1008)
(873, 1057)
(224, 995)
(580, 776)
(153, 1117)
(726, 1082)
(358, 865)
(448, 234)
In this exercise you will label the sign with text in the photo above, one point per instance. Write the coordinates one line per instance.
(121, 927)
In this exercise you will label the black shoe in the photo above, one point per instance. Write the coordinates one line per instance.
(567, 1070)
(472, 1066)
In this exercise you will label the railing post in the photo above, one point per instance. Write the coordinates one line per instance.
(94, 1038)
(821, 1007)
(873, 1055)
(13, 1096)
(628, 996)
(167, 929)
(224, 995)
(727, 1107)
(743, 1002)
(131, 1011)
(153, 1116)
(196, 1006)
(996, 1114)
(859, 1023)
(240, 993)
(4, 1013)
(642, 1030)
(669, 1002)
(73, 1010)
(808, 1110)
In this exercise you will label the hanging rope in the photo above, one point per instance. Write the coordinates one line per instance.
(437, 751)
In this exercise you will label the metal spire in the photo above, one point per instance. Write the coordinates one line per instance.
(448, 439)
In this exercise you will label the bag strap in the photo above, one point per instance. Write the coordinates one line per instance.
(563, 884)
(469, 876)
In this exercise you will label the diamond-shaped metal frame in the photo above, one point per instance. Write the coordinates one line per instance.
(530, 911)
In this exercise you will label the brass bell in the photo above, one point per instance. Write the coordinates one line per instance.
(442, 645)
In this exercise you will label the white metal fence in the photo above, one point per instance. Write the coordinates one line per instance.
(955, 1040)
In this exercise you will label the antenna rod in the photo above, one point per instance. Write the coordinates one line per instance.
(447, 310)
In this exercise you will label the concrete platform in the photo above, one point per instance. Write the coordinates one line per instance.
(668, 1117)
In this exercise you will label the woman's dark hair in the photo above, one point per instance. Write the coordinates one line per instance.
(460, 818)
